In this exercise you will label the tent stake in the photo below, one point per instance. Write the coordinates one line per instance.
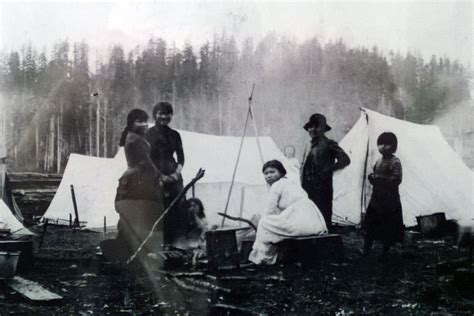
(43, 233)
(105, 225)
(76, 221)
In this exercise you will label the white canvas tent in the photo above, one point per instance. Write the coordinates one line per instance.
(95, 179)
(435, 179)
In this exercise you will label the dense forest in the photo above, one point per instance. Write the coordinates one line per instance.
(63, 101)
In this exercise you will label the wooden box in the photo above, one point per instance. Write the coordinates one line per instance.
(222, 248)
(311, 249)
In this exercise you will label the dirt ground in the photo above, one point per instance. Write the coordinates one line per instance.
(408, 283)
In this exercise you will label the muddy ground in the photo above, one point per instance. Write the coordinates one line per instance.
(407, 283)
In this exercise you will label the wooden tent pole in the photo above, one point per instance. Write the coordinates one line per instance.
(256, 135)
(364, 176)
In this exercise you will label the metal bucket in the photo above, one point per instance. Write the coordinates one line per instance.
(8, 263)
(25, 247)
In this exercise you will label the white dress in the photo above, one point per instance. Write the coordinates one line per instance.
(289, 213)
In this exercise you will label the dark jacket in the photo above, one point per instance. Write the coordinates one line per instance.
(164, 142)
(324, 157)
(141, 179)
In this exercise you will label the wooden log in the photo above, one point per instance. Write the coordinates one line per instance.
(32, 290)
(236, 277)
(204, 284)
(189, 287)
(238, 219)
(187, 274)
(231, 308)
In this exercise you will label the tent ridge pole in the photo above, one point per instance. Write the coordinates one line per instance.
(362, 196)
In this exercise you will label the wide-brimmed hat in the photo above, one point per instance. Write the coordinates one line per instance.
(317, 120)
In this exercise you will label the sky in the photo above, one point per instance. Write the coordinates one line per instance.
(443, 28)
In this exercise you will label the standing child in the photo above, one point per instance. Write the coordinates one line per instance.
(383, 219)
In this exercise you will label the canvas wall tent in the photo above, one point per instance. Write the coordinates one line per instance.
(435, 179)
(95, 179)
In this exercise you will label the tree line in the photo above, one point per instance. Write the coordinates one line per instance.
(56, 102)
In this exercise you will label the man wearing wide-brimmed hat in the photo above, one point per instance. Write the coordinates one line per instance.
(320, 161)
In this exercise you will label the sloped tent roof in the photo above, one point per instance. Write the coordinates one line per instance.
(95, 179)
(435, 179)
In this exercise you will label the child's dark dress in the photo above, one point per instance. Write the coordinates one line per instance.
(384, 220)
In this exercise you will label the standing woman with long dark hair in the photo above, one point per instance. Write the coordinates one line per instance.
(165, 143)
(139, 199)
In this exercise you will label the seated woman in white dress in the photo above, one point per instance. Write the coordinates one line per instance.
(289, 213)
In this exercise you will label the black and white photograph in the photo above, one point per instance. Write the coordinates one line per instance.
(305, 157)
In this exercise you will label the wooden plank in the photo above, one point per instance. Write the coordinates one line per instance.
(32, 290)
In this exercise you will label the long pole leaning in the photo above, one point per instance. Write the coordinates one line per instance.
(249, 113)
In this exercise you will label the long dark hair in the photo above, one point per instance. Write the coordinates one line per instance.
(197, 201)
(133, 115)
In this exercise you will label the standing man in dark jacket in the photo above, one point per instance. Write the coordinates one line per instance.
(320, 161)
(165, 142)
